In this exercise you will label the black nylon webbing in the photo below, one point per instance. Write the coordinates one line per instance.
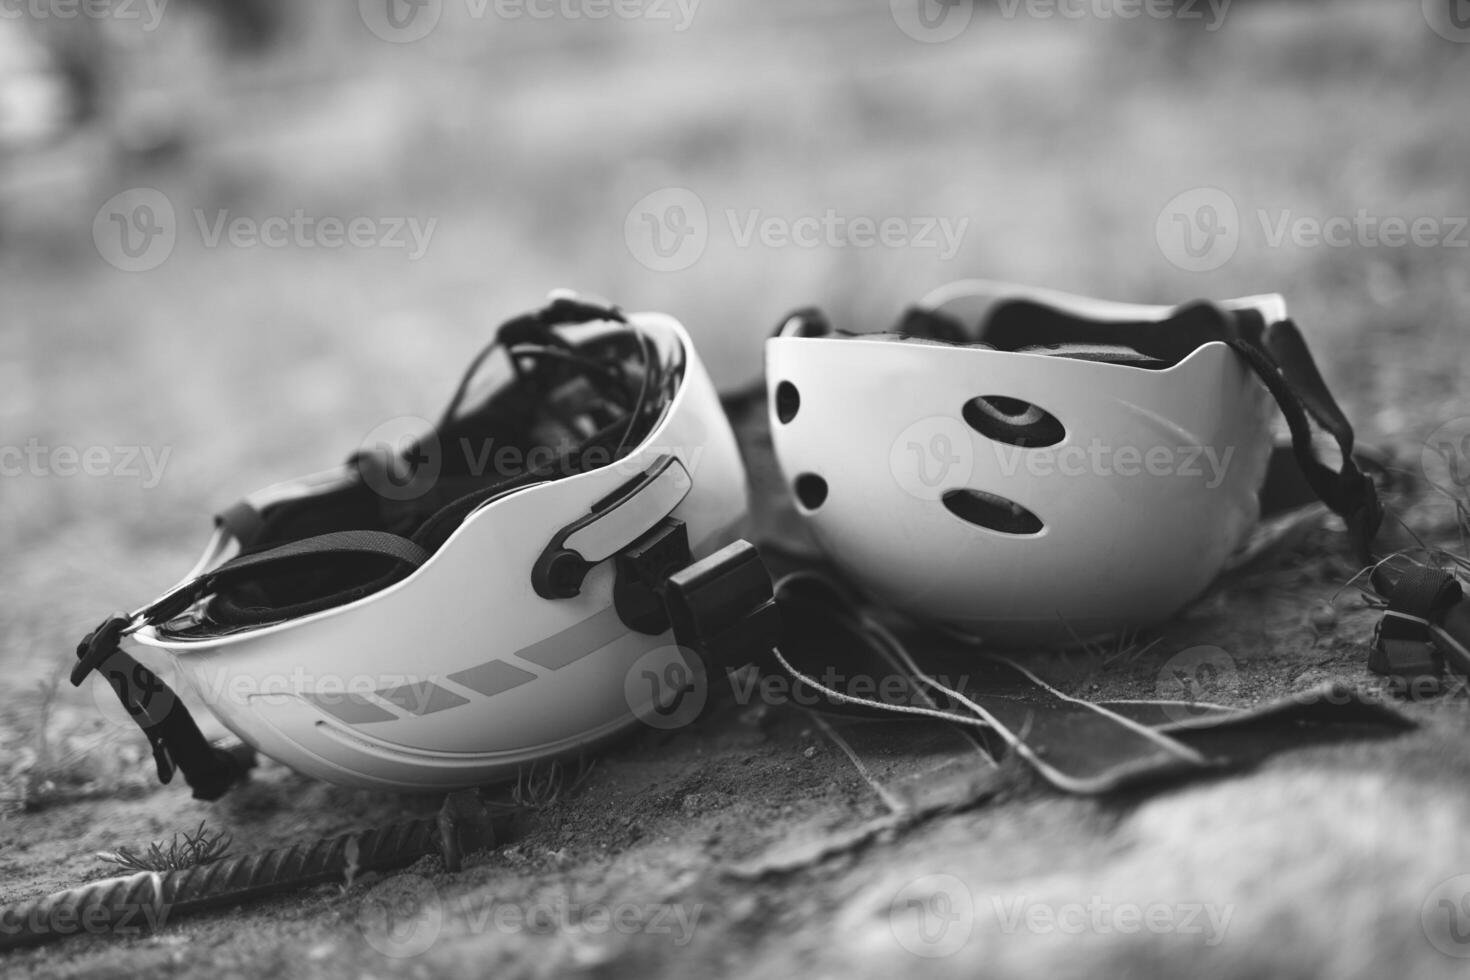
(1420, 592)
(380, 543)
(175, 738)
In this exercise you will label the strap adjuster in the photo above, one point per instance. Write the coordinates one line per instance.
(98, 645)
(1402, 648)
(1403, 641)
(613, 524)
(643, 570)
(725, 608)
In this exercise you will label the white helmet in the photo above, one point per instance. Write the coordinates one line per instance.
(412, 622)
(1033, 467)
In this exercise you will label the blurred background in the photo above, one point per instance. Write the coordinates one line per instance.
(235, 237)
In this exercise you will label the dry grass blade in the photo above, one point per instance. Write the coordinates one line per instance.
(537, 788)
(185, 850)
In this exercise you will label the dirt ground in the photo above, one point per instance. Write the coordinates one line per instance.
(749, 845)
(752, 844)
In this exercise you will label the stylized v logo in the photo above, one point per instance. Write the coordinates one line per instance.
(403, 466)
(401, 13)
(1460, 14)
(1196, 682)
(933, 13)
(1458, 914)
(676, 222)
(403, 919)
(142, 220)
(1207, 220)
(1453, 460)
(941, 451)
(935, 915)
(678, 684)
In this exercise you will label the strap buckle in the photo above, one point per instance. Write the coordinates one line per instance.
(1402, 648)
(725, 608)
(98, 645)
(643, 570)
(1403, 641)
(615, 523)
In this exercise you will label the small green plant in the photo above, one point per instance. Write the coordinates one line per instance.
(185, 850)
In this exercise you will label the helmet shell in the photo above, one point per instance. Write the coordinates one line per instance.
(1151, 486)
(460, 673)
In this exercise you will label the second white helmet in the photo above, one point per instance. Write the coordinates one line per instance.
(1033, 467)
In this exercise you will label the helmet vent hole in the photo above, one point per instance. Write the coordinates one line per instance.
(788, 401)
(1013, 421)
(811, 490)
(990, 511)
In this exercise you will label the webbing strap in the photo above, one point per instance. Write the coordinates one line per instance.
(1348, 492)
(175, 738)
(379, 543)
(375, 543)
(534, 327)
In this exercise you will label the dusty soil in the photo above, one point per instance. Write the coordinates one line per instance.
(753, 843)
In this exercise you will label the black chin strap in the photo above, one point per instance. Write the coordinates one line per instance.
(1293, 380)
(176, 740)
